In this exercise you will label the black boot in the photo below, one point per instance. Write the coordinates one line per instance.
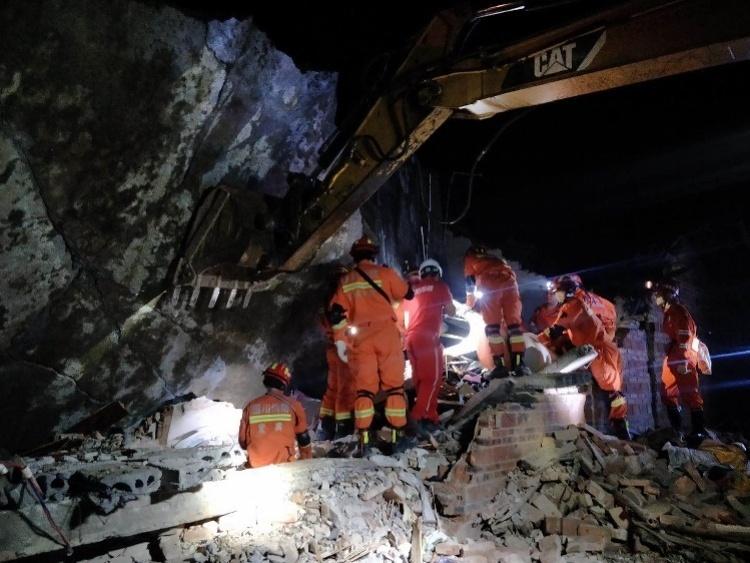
(675, 420)
(500, 370)
(327, 428)
(698, 428)
(400, 442)
(621, 428)
(365, 448)
(519, 368)
(344, 428)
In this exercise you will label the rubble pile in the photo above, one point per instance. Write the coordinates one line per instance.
(511, 493)
(585, 496)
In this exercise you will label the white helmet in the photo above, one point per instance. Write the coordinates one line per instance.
(430, 266)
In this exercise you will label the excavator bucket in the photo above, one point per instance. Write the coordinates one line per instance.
(225, 255)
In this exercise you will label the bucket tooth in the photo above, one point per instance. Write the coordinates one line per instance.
(214, 297)
(231, 298)
(246, 300)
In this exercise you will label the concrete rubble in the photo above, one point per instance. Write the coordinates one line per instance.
(571, 494)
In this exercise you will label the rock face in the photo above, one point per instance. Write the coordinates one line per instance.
(112, 124)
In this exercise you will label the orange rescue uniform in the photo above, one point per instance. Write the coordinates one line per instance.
(269, 428)
(338, 400)
(679, 373)
(375, 354)
(602, 308)
(500, 304)
(585, 327)
(424, 318)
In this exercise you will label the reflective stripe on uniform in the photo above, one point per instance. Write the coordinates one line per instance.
(517, 339)
(260, 418)
(364, 413)
(683, 332)
(343, 415)
(324, 411)
(340, 325)
(395, 412)
(495, 340)
(354, 286)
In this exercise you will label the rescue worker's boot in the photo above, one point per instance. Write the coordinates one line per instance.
(675, 420)
(500, 370)
(698, 428)
(520, 369)
(621, 428)
(365, 447)
(344, 428)
(400, 442)
(327, 429)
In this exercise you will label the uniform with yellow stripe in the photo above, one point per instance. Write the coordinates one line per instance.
(376, 360)
(273, 425)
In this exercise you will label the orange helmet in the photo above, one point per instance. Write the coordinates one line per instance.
(280, 372)
(364, 245)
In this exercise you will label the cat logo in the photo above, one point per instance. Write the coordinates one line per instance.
(557, 59)
(575, 55)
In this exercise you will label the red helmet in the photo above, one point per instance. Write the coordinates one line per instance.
(365, 245)
(280, 372)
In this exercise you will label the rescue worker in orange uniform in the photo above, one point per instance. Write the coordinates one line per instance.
(601, 307)
(491, 287)
(337, 406)
(363, 310)
(272, 424)
(680, 370)
(583, 326)
(423, 318)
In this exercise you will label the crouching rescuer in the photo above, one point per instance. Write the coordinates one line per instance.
(274, 422)
(583, 326)
(368, 340)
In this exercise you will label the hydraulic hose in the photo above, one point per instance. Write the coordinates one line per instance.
(478, 159)
(36, 490)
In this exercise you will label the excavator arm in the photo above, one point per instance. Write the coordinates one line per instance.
(630, 43)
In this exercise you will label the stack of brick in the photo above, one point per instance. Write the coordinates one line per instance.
(503, 436)
(640, 387)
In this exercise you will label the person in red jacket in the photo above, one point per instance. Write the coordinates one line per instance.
(583, 326)
(679, 374)
(272, 424)
(366, 336)
(492, 288)
(423, 318)
(337, 405)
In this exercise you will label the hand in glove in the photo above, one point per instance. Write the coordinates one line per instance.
(555, 332)
(341, 351)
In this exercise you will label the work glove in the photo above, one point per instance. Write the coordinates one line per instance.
(555, 332)
(342, 351)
